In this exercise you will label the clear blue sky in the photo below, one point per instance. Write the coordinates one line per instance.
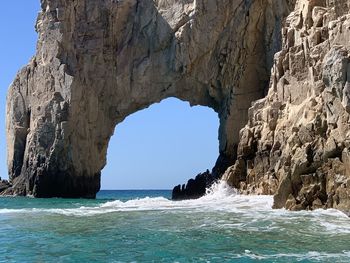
(156, 148)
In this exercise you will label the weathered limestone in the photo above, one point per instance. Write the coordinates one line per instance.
(296, 143)
(100, 61)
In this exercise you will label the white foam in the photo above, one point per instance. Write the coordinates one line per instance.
(219, 198)
(311, 255)
(19, 211)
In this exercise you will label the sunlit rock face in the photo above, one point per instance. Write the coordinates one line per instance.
(99, 61)
(296, 143)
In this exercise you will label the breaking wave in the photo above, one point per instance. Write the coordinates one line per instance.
(219, 197)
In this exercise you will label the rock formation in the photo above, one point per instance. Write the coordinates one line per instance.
(194, 188)
(4, 184)
(100, 61)
(297, 140)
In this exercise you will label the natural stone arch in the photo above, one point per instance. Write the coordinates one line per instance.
(99, 61)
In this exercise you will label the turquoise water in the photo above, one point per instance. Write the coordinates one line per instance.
(144, 226)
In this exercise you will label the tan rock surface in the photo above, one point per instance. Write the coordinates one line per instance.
(100, 61)
(296, 143)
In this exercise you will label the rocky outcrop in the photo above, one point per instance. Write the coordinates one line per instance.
(4, 185)
(194, 188)
(296, 143)
(100, 61)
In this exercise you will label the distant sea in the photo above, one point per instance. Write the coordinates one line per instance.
(145, 226)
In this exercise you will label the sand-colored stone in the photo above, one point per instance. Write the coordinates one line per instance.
(299, 135)
(99, 61)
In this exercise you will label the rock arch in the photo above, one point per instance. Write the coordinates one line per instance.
(99, 61)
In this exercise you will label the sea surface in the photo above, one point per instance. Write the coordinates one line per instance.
(145, 226)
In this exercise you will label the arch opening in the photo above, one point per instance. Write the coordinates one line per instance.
(161, 146)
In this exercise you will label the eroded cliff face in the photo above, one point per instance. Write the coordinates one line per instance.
(296, 143)
(100, 61)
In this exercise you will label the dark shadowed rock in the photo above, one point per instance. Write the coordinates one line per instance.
(4, 185)
(194, 188)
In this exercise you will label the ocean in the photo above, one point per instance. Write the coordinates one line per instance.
(145, 226)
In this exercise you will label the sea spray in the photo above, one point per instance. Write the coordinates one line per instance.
(220, 196)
